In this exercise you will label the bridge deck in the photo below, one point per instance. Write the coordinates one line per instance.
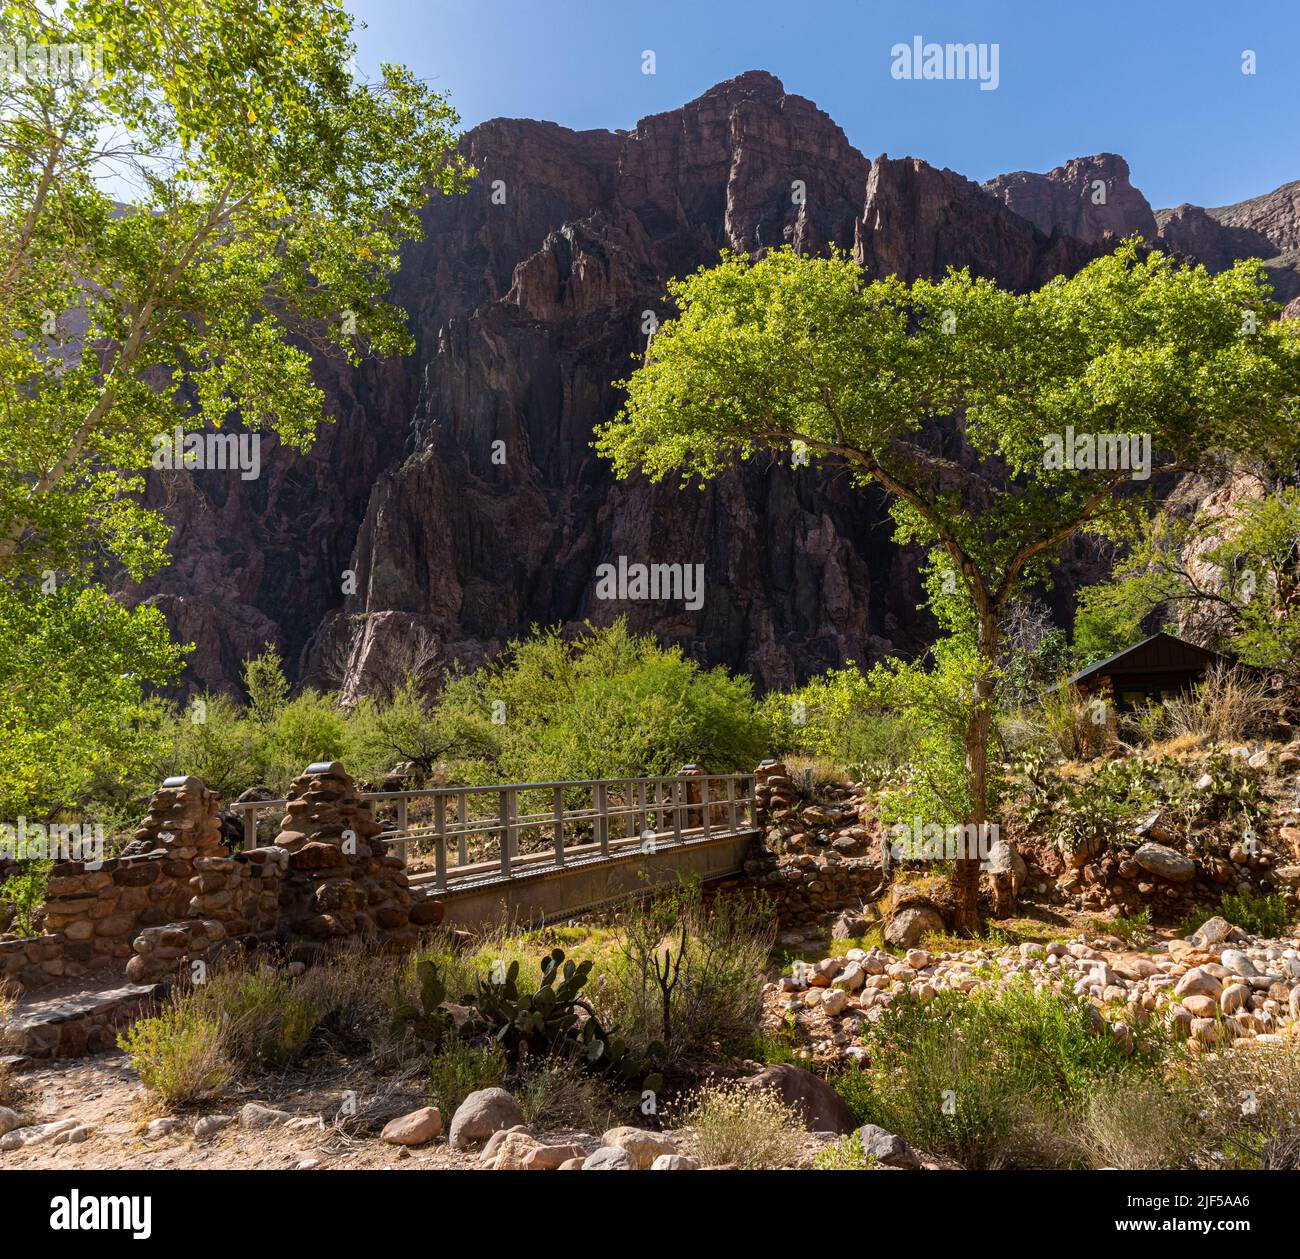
(571, 847)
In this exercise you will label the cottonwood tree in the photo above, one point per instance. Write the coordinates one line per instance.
(1232, 575)
(195, 199)
(955, 397)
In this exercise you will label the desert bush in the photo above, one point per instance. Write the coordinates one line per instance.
(606, 703)
(1077, 727)
(8, 1078)
(553, 1091)
(24, 891)
(1255, 914)
(357, 992)
(1248, 1100)
(689, 977)
(731, 1123)
(179, 1054)
(992, 1080)
(459, 1069)
(264, 1021)
(1228, 704)
(1137, 1122)
(845, 1155)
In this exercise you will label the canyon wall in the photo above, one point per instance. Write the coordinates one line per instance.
(456, 500)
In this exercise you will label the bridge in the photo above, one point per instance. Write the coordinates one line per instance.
(534, 853)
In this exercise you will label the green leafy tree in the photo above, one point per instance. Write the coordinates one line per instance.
(263, 195)
(956, 397)
(1233, 577)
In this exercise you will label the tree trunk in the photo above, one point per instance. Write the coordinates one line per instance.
(966, 875)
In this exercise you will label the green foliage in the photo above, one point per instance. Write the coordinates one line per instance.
(1097, 810)
(428, 1021)
(992, 1080)
(836, 716)
(547, 1023)
(1256, 915)
(711, 1002)
(458, 1069)
(25, 892)
(1243, 568)
(407, 726)
(73, 667)
(266, 237)
(265, 1023)
(179, 1054)
(845, 1155)
(603, 704)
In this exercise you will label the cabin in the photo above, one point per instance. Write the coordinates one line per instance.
(1150, 672)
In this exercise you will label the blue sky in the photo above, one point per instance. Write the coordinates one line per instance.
(1160, 84)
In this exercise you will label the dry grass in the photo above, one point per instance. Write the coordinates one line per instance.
(1229, 704)
(1249, 1101)
(1135, 1124)
(1071, 722)
(734, 1124)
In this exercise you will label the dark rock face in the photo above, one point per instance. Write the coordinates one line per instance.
(1089, 198)
(456, 500)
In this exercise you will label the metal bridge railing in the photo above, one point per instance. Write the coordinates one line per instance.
(510, 829)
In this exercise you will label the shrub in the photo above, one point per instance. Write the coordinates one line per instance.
(845, 1155)
(732, 1123)
(993, 1080)
(554, 1091)
(8, 1087)
(180, 1054)
(1228, 704)
(1256, 915)
(357, 992)
(264, 1022)
(607, 703)
(459, 1069)
(1137, 1122)
(25, 892)
(688, 977)
(1249, 1103)
(1078, 728)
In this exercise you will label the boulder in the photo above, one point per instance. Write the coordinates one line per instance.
(887, 1149)
(480, 1115)
(910, 925)
(642, 1146)
(674, 1163)
(416, 1128)
(1165, 863)
(1198, 983)
(1211, 932)
(609, 1158)
(254, 1116)
(820, 1107)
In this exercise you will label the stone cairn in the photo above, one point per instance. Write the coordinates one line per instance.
(223, 901)
(182, 820)
(341, 882)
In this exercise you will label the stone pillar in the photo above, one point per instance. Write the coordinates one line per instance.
(774, 789)
(340, 882)
(182, 821)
